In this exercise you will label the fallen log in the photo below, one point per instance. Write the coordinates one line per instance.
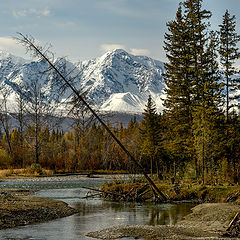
(141, 190)
(130, 196)
(236, 218)
(102, 191)
(233, 197)
(143, 193)
(129, 193)
(233, 229)
(91, 196)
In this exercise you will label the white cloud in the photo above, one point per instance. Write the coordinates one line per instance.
(134, 51)
(10, 45)
(110, 47)
(46, 12)
(21, 13)
(7, 42)
(32, 11)
(140, 52)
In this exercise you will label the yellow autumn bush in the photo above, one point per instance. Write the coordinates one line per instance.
(5, 159)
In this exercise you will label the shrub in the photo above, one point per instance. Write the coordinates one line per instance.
(5, 159)
(36, 168)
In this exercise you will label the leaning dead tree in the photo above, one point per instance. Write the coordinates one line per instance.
(63, 82)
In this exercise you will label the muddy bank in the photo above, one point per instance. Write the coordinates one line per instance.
(207, 221)
(18, 209)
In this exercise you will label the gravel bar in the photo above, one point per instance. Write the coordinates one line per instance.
(17, 209)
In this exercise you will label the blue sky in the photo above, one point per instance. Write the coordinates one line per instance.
(85, 29)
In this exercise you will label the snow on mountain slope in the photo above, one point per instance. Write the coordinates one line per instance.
(122, 82)
(116, 81)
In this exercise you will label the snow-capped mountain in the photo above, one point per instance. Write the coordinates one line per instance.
(116, 81)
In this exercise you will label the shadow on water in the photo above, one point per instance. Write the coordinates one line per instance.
(94, 214)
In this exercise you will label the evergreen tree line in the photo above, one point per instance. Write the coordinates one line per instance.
(201, 116)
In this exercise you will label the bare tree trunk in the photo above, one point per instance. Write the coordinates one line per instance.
(20, 119)
(4, 119)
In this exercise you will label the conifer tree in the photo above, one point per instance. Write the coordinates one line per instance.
(186, 72)
(196, 21)
(207, 110)
(193, 91)
(229, 53)
(150, 134)
(179, 84)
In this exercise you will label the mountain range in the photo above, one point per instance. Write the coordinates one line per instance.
(115, 82)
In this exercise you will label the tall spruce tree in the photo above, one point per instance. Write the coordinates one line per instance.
(197, 23)
(192, 83)
(179, 85)
(229, 53)
(207, 111)
(150, 135)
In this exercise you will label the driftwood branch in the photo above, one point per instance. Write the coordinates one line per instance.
(102, 191)
(90, 196)
(235, 219)
(233, 229)
(132, 195)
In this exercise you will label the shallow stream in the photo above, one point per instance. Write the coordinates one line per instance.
(94, 214)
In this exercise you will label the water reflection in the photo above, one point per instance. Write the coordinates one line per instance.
(136, 213)
(94, 214)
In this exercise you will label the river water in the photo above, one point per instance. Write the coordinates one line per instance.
(94, 214)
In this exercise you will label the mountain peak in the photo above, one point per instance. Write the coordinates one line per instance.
(115, 81)
(119, 51)
(4, 55)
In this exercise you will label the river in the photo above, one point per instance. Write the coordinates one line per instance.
(94, 214)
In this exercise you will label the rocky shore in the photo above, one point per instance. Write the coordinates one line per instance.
(18, 209)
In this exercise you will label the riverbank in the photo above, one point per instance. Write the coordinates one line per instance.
(18, 209)
(194, 227)
(35, 173)
(140, 191)
(207, 221)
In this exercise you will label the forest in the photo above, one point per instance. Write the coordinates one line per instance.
(196, 136)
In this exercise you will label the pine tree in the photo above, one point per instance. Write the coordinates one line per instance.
(192, 80)
(208, 110)
(229, 53)
(196, 21)
(177, 76)
(186, 72)
(150, 135)
(179, 85)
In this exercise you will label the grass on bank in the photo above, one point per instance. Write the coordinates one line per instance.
(23, 172)
(36, 170)
(184, 191)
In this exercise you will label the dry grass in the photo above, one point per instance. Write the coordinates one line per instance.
(5, 173)
(23, 172)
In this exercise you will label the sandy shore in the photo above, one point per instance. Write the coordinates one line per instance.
(207, 221)
(18, 209)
